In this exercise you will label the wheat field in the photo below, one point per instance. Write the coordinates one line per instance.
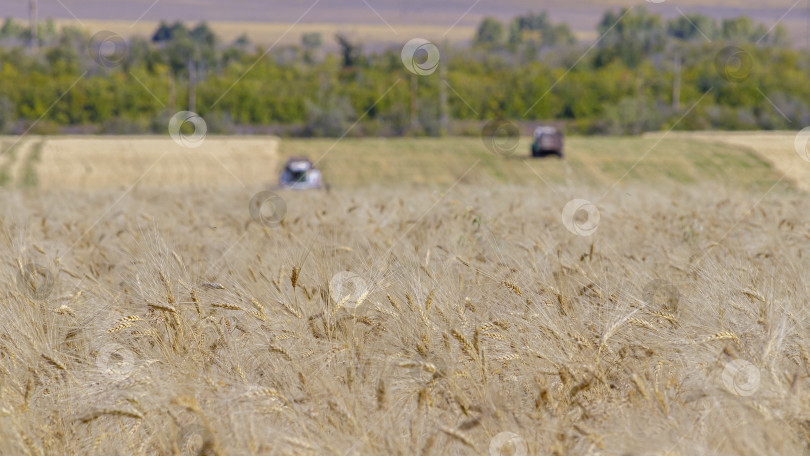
(480, 317)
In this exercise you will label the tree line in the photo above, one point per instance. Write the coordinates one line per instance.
(644, 73)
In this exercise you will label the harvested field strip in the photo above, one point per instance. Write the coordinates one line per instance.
(5, 159)
(776, 148)
(17, 169)
(13, 153)
(18, 162)
(94, 163)
(29, 174)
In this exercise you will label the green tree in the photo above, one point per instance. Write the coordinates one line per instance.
(352, 52)
(7, 114)
(12, 29)
(537, 29)
(491, 32)
(742, 29)
(165, 32)
(629, 37)
(203, 35)
(692, 27)
(311, 43)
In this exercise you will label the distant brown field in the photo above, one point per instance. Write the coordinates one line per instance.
(268, 33)
(267, 21)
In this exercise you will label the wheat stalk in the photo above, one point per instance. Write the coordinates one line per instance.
(281, 352)
(225, 305)
(724, 335)
(511, 286)
(120, 327)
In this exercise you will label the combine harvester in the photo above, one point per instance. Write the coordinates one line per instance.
(300, 174)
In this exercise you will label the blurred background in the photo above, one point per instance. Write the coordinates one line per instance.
(404, 227)
(333, 67)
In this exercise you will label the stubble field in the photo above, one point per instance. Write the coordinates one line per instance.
(456, 303)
